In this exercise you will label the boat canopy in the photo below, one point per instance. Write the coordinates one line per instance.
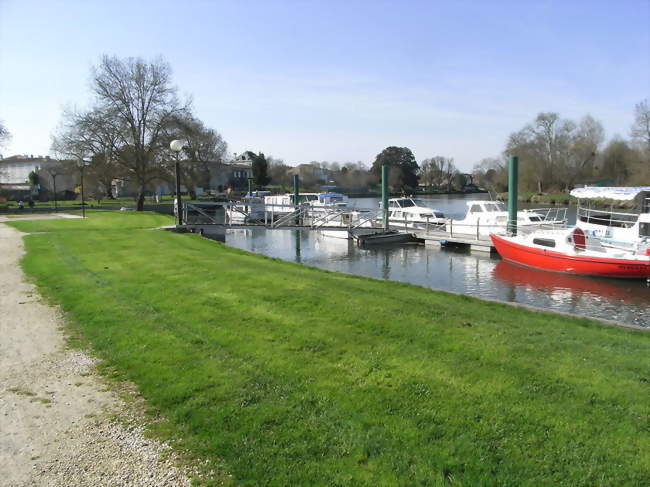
(611, 193)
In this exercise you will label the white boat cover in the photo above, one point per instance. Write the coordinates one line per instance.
(610, 193)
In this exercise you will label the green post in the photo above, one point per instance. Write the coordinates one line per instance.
(296, 196)
(250, 186)
(384, 194)
(513, 176)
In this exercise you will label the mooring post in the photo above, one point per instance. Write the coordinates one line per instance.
(250, 186)
(513, 175)
(384, 195)
(296, 197)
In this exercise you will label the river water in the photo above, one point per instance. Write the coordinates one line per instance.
(474, 273)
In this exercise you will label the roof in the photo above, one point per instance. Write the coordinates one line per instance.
(611, 193)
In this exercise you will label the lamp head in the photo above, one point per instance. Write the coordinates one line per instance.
(177, 145)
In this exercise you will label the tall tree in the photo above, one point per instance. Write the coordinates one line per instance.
(260, 169)
(617, 160)
(140, 96)
(641, 127)
(403, 167)
(555, 152)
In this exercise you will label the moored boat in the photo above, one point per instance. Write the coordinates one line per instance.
(485, 217)
(410, 213)
(619, 228)
(571, 251)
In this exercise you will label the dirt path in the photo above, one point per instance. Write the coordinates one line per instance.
(58, 424)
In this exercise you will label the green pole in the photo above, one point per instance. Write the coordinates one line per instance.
(513, 176)
(250, 186)
(296, 195)
(384, 194)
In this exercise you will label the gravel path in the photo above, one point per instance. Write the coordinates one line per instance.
(59, 425)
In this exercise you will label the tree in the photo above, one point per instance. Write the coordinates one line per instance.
(5, 135)
(554, 152)
(279, 172)
(135, 102)
(260, 169)
(32, 177)
(491, 173)
(204, 148)
(616, 161)
(93, 137)
(403, 167)
(641, 127)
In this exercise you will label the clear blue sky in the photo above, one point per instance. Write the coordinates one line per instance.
(339, 81)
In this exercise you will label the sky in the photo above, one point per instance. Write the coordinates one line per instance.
(338, 80)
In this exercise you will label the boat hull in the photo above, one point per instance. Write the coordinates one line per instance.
(570, 264)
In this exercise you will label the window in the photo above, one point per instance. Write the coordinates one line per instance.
(475, 209)
(546, 242)
(406, 203)
(644, 229)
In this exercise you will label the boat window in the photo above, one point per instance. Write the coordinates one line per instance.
(407, 203)
(644, 229)
(546, 242)
(492, 207)
(439, 214)
(535, 219)
(475, 209)
(393, 204)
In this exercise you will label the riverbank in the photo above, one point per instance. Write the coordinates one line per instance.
(276, 372)
(564, 199)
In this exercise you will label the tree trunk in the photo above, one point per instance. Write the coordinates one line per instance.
(140, 206)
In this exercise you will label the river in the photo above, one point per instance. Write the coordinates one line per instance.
(474, 273)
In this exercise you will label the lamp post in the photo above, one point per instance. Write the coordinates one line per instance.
(177, 146)
(82, 166)
(54, 175)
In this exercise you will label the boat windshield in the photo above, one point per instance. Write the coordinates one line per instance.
(406, 203)
(495, 206)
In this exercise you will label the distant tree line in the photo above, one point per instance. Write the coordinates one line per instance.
(555, 154)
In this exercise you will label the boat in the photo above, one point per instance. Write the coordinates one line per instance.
(572, 251)
(250, 209)
(485, 217)
(410, 213)
(282, 204)
(617, 228)
(329, 200)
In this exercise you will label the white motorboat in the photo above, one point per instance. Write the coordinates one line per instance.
(410, 213)
(486, 217)
(282, 204)
(616, 228)
(250, 209)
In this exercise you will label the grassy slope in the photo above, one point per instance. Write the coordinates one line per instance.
(288, 375)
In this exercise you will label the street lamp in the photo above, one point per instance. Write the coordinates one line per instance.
(177, 146)
(82, 166)
(54, 175)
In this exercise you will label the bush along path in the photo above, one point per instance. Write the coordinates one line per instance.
(281, 374)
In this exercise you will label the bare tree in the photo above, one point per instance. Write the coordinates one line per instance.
(204, 149)
(92, 137)
(142, 101)
(5, 135)
(641, 127)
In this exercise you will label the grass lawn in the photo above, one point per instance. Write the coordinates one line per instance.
(282, 374)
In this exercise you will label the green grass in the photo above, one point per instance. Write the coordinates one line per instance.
(281, 374)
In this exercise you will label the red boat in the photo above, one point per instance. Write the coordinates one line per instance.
(570, 251)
